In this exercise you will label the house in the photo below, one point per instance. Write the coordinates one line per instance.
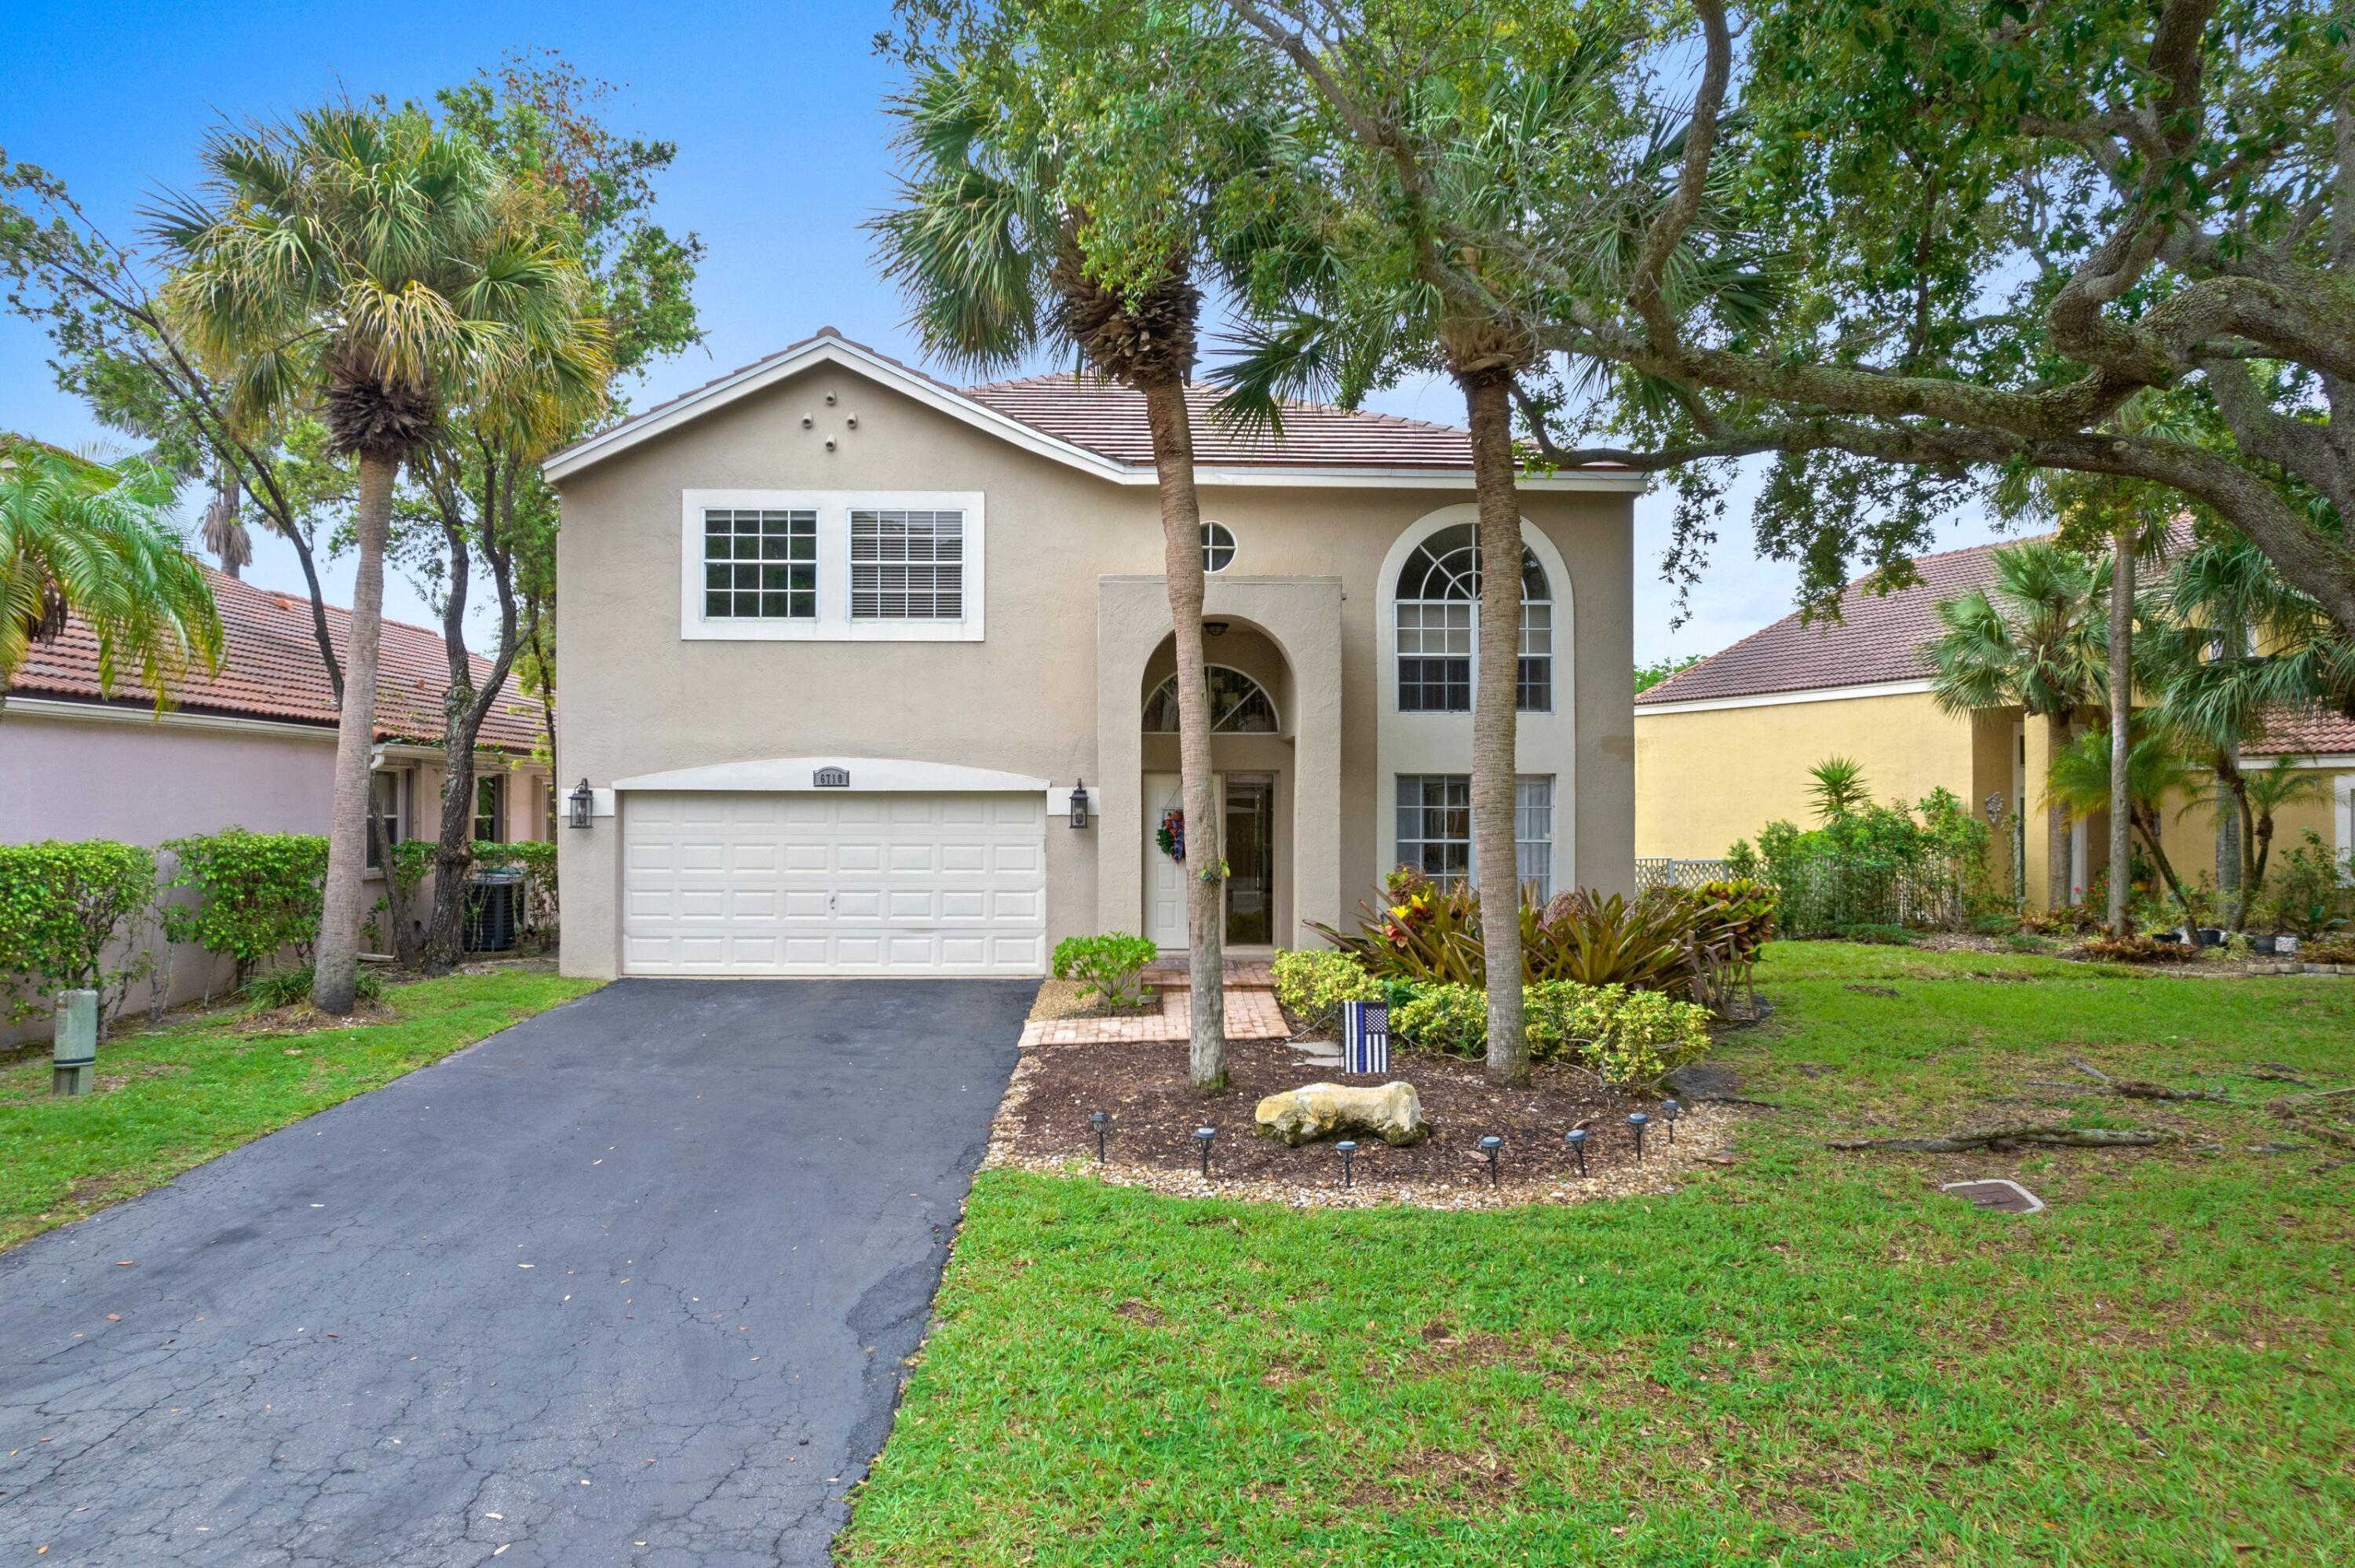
(842, 642)
(252, 746)
(1723, 747)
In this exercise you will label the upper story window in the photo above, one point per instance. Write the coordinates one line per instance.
(1239, 704)
(832, 566)
(1218, 546)
(907, 566)
(1438, 622)
(760, 564)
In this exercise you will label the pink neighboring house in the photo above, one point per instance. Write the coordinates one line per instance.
(252, 746)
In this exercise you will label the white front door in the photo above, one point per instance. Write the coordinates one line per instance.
(1164, 879)
(788, 883)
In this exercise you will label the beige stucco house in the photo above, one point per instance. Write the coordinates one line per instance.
(840, 642)
(1723, 747)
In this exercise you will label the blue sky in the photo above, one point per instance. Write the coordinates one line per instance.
(776, 111)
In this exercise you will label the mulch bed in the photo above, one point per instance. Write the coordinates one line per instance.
(1043, 1125)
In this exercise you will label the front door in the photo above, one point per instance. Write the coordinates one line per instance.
(1164, 879)
(1249, 816)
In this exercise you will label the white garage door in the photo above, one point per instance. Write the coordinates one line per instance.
(820, 884)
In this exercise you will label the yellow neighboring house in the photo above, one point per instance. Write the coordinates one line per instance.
(1724, 747)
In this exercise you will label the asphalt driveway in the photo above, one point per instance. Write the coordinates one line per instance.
(630, 1283)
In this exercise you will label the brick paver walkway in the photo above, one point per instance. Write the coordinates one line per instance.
(1250, 1015)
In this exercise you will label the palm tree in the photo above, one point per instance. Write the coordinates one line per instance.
(1839, 788)
(80, 539)
(2232, 643)
(2029, 639)
(374, 271)
(993, 262)
(2078, 784)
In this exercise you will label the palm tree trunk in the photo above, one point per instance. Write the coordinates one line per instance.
(2058, 891)
(1495, 716)
(2148, 823)
(2122, 588)
(1181, 552)
(337, 955)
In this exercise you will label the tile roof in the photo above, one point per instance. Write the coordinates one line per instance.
(271, 670)
(2317, 730)
(1108, 418)
(1878, 637)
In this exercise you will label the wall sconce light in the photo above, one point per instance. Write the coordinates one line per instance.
(1080, 803)
(583, 801)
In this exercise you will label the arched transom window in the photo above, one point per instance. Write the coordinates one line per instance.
(1438, 605)
(1239, 705)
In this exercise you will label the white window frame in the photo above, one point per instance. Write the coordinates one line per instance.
(1533, 798)
(1468, 610)
(1233, 548)
(833, 622)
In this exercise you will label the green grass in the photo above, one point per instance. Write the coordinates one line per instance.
(1808, 1357)
(194, 1089)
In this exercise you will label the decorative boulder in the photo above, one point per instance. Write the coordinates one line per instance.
(1393, 1113)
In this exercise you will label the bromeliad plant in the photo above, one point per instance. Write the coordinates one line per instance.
(1680, 943)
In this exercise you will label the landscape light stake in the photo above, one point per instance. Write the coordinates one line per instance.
(1576, 1139)
(1671, 1109)
(1349, 1153)
(1637, 1119)
(1202, 1135)
(1101, 1122)
(1488, 1146)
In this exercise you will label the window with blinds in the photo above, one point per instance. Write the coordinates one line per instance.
(907, 566)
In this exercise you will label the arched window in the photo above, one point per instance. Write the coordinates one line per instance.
(1218, 546)
(1239, 705)
(1437, 610)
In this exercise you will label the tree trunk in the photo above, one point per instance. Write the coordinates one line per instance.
(1205, 867)
(454, 850)
(337, 956)
(2058, 891)
(1495, 716)
(2121, 590)
(2147, 823)
(547, 711)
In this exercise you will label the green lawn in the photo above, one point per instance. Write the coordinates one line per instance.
(1807, 1357)
(195, 1089)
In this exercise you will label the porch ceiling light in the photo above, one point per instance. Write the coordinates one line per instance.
(583, 801)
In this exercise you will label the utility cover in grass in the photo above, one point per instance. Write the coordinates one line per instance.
(2000, 1193)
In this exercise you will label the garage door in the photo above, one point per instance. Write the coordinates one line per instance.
(795, 884)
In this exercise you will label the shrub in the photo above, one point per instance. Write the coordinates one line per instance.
(290, 985)
(257, 894)
(2137, 951)
(1312, 982)
(1877, 865)
(1633, 1038)
(2308, 888)
(2068, 920)
(2024, 942)
(1746, 916)
(1110, 967)
(1448, 1018)
(1996, 924)
(1665, 939)
(2336, 951)
(1881, 936)
(62, 905)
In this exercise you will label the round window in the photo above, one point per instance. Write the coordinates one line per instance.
(1218, 546)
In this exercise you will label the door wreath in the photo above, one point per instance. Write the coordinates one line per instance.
(1171, 834)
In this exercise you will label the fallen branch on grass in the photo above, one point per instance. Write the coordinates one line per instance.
(2009, 1137)
(2137, 1088)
